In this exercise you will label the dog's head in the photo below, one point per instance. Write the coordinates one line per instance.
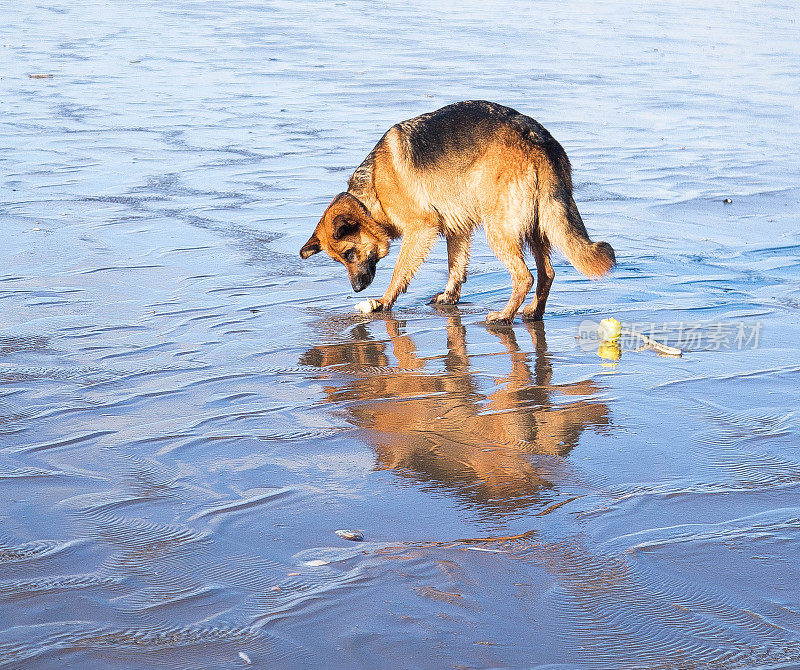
(348, 234)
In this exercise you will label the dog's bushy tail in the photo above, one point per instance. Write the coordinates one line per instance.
(561, 224)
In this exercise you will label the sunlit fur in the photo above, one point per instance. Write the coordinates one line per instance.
(447, 172)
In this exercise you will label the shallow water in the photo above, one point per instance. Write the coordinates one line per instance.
(188, 411)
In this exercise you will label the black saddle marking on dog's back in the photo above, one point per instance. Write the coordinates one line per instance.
(461, 131)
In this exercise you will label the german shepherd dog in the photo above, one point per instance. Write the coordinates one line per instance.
(446, 173)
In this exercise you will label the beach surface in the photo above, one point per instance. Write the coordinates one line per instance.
(189, 411)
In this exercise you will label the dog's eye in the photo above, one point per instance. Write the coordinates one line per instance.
(349, 255)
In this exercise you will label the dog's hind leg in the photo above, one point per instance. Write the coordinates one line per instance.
(457, 261)
(507, 246)
(544, 279)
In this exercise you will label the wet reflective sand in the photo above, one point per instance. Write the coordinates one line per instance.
(188, 411)
(495, 444)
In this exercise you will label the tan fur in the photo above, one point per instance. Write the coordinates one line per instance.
(519, 190)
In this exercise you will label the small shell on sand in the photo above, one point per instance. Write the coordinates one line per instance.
(353, 535)
(367, 306)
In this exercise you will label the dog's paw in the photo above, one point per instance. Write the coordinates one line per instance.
(531, 313)
(497, 319)
(367, 306)
(444, 298)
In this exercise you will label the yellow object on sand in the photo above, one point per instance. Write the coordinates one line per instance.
(609, 330)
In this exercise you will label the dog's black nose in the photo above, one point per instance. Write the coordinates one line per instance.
(361, 282)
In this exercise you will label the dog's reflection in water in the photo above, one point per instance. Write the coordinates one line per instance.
(490, 429)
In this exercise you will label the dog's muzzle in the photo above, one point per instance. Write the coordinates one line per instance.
(364, 277)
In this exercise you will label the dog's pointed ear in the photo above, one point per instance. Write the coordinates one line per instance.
(311, 247)
(343, 225)
(346, 214)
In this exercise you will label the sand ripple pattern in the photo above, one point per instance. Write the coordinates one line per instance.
(189, 411)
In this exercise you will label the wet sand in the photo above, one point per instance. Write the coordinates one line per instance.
(188, 411)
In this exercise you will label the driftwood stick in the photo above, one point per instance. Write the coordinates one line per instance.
(650, 343)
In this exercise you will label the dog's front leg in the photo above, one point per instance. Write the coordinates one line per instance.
(457, 260)
(415, 248)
